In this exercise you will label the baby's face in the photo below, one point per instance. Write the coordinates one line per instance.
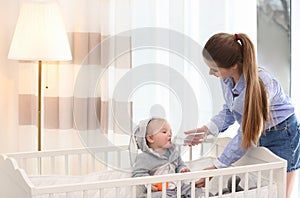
(162, 134)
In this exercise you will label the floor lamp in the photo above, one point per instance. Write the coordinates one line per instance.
(40, 35)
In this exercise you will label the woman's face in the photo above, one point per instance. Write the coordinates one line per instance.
(223, 73)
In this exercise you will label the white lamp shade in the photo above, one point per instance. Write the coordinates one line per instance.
(40, 33)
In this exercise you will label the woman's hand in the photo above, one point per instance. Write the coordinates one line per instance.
(195, 136)
(185, 170)
(201, 182)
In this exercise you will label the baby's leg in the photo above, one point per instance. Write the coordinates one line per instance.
(157, 194)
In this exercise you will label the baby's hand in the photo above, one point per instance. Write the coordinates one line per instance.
(154, 187)
(184, 170)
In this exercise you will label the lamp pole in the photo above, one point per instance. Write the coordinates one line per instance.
(39, 105)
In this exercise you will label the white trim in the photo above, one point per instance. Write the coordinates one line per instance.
(295, 70)
(295, 58)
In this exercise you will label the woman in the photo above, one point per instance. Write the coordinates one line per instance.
(255, 100)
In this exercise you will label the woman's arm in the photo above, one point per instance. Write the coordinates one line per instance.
(218, 123)
(232, 152)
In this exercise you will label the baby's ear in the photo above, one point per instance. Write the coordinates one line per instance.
(149, 139)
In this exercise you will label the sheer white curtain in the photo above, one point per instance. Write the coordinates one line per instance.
(90, 23)
(80, 97)
(195, 20)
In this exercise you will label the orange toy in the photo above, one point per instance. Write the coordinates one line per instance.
(159, 186)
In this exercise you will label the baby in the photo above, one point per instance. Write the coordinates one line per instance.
(154, 138)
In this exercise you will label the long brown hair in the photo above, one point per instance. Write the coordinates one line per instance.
(226, 50)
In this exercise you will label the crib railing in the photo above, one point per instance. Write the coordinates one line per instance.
(192, 177)
(84, 160)
(79, 156)
(47, 162)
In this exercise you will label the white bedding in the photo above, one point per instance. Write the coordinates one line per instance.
(59, 180)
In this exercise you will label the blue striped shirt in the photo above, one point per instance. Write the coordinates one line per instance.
(280, 109)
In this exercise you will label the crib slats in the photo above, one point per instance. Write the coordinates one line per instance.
(191, 154)
(118, 192)
(79, 164)
(233, 182)
(119, 159)
(246, 185)
(164, 191)
(206, 187)
(259, 183)
(39, 166)
(66, 165)
(220, 184)
(133, 191)
(193, 189)
(179, 148)
(202, 149)
(149, 191)
(105, 158)
(68, 195)
(25, 164)
(259, 179)
(85, 194)
(178, 186)
(101, 193)
(93, 164)
(217, 150)
(52, 164)
(270, 182)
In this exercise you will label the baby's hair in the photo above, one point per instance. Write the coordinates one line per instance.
(149, 129)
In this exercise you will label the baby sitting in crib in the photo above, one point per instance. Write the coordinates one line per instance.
(153, 137)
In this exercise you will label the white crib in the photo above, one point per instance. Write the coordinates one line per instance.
(76, 173)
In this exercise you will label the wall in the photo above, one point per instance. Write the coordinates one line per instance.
(9, 139)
